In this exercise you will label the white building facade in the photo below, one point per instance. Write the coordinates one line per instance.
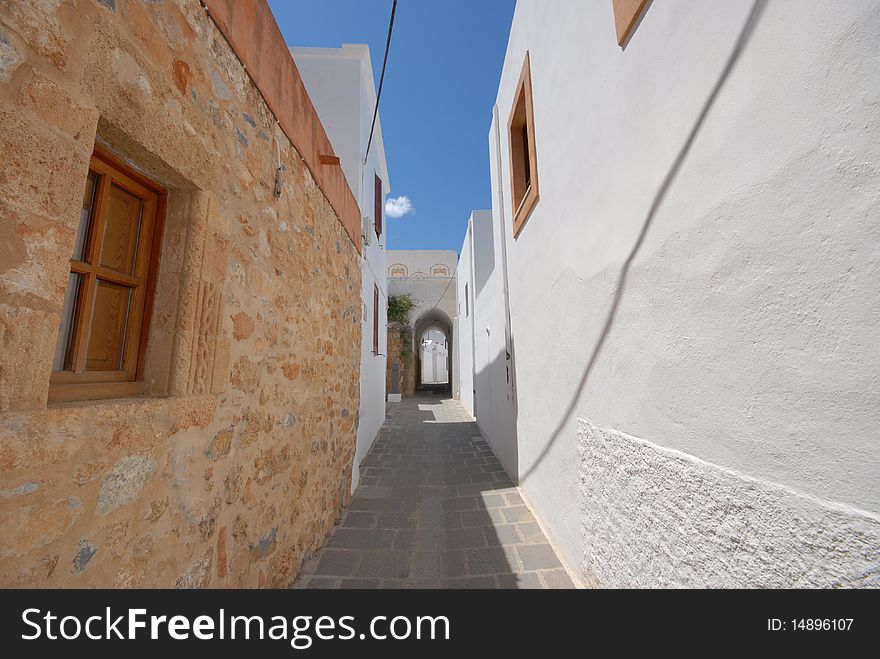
(464, 382)
(434, 358)
(417, 263)
(340, 84)
(483, 344)
(428, 277)
(682, 264)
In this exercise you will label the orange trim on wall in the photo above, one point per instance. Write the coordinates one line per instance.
(253, 34)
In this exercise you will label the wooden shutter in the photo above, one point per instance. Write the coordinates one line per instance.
(375, 319)
(379, 198)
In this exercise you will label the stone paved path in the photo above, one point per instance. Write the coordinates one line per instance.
(434, 510)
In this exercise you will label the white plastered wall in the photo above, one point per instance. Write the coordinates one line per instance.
(493, 371)
(747, 335)
(464, 336)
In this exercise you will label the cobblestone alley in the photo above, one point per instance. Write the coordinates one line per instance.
(435, 509)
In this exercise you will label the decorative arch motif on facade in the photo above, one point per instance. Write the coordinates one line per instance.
(440, 270)
(397, 270)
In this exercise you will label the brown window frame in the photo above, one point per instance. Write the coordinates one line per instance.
(75, 382)
(523, 157)
(375, 319)
(626, 16)
(378, 198)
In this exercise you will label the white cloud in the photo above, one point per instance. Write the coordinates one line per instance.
(398, 207)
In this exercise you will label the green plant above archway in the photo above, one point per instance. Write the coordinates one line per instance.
(399, 307)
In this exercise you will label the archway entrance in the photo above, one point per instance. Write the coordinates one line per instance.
(433, 354)
(432, 347)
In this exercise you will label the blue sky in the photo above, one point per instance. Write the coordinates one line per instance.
(436, 107)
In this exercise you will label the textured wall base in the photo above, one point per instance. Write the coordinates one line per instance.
(654, 517)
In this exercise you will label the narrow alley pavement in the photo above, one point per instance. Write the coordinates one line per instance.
(434, 509)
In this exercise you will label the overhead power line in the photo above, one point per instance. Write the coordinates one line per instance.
(442, 295)
(381, 80)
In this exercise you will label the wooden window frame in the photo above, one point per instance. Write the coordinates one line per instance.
(375, 319)
(522, 115)
(378, 198)
(79, 384)
(626, 17)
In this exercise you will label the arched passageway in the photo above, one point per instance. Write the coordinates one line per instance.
(434, 357)
(432, 347)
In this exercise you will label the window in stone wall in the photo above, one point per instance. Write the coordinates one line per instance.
(439, 271)
(523, 152)
(105, 315)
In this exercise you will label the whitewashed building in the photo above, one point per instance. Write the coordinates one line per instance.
(417, 263)
(681, 267)
(434, 358)
(340, 84)
(464, 381)
(484, 354)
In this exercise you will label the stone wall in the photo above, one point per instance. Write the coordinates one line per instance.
(235, 466)
(400, 350)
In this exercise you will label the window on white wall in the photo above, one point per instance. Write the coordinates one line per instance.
(379, 199)
(375, 319)
(523, 151)
(626, 17)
